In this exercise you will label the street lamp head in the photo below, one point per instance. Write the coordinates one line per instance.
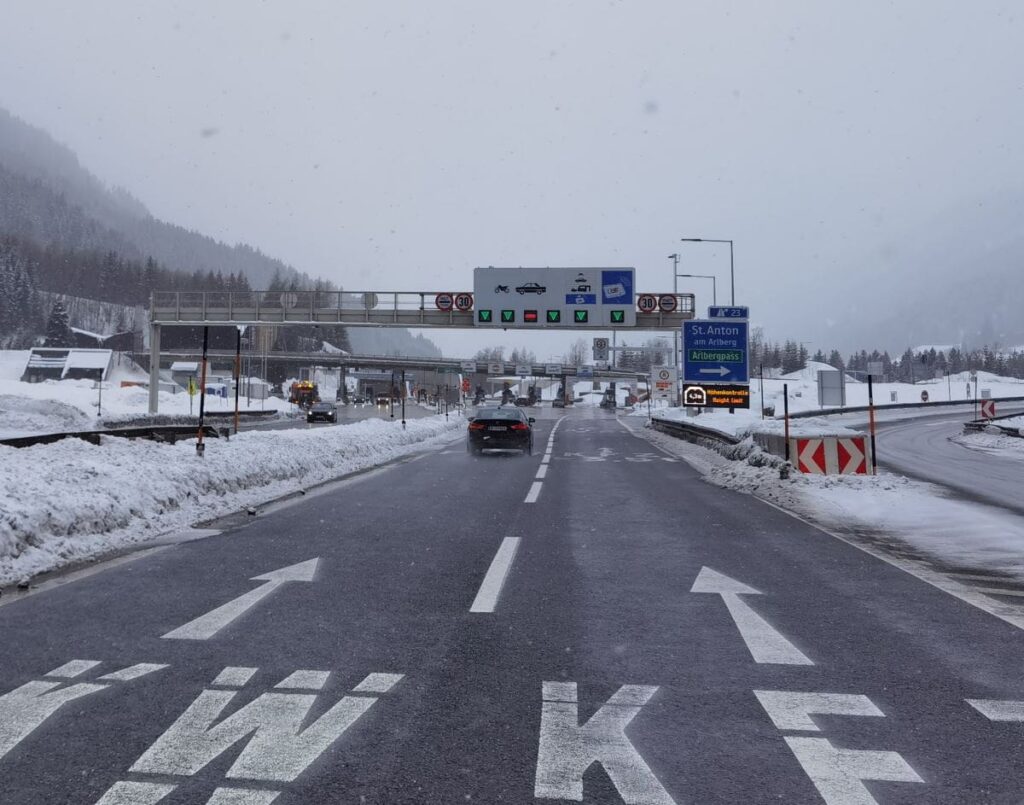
(673, 256)
(692, 240)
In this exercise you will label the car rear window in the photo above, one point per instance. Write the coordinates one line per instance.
(499, 413)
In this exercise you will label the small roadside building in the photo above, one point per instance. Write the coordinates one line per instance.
(61, 363)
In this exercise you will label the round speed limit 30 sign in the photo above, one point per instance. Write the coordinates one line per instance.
(647, 303)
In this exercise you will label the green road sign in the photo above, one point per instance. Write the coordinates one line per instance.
(554, 316)
(618, 316)
(508, 316)
(581, 316)
(484, 316)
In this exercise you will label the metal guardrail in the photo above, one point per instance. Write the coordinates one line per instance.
(892, 406)
(982, 424)
(690, 432)
(160, 433)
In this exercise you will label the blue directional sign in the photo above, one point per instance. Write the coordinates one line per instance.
(722, 312)
(715, 351)
(581, 299)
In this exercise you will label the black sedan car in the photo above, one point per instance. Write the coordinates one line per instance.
(322, 412)
(505, 428)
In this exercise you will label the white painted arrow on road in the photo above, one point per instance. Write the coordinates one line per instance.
(721, 371)
(765, 643)
(205, 627)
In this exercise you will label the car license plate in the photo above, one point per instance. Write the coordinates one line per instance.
(497, 427)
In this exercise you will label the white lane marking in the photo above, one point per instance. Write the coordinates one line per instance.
(242, 796)
(233, 677)
(206, 626)
(542, 471)
(534, 493)
(25, 708)
(996, 710)
(279, 739)
(792, 710)
(764, 642)
(378, 683)
(70, 670)
(546, 459)
(132, 672)
(487, 596)
(304, 680)
(837, 773)
(129, 793)
(567, 748)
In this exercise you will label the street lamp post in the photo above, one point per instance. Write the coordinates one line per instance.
(732, 273)
(676, 335)
(714, 284)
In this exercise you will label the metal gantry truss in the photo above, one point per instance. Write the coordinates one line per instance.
(351, 309)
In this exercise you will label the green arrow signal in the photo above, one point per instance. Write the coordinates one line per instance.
(581, 316)
(554, 316)
(618, 316)
(508, 315)
(483, 315)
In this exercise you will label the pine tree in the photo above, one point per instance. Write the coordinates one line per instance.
(58, 331)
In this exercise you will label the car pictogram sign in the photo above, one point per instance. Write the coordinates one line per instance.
(443, 301)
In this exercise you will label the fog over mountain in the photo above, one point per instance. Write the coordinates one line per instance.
(50, 198)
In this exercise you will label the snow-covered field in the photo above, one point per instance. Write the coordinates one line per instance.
(71, 501)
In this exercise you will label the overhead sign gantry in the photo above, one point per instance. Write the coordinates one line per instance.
(603, 298)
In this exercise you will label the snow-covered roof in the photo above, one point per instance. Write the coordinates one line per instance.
(88, 359)
(185, 366)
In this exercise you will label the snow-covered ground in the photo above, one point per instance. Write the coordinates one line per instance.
(885, 507)
(71, 501)
(993, 441)
(62, 405)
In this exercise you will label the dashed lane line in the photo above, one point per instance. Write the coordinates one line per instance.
(542, 471)
(534, 493)
(487, 597)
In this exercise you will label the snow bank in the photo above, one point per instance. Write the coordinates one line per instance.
(995, 442)
(71, 501)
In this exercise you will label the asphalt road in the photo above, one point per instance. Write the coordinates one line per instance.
(921, 448)
(631, 635)
(347, 414)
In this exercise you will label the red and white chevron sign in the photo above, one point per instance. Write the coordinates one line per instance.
(832, 455)
(988, 409)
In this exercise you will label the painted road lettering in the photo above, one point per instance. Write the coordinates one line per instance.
(765, 643)
(205, 627)
(279, 742)
(568, 749)
(25, 708)
(837, 773)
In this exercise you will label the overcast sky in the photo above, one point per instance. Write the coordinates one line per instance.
(396, 145)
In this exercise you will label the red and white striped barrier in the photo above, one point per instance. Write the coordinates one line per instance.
(832, 455)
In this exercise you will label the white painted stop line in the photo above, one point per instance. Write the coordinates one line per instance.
(487, 596)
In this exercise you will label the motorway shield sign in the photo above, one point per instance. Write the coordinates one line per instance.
(715, 351)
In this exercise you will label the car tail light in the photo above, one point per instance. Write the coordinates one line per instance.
(520, 426)
(477, 426)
